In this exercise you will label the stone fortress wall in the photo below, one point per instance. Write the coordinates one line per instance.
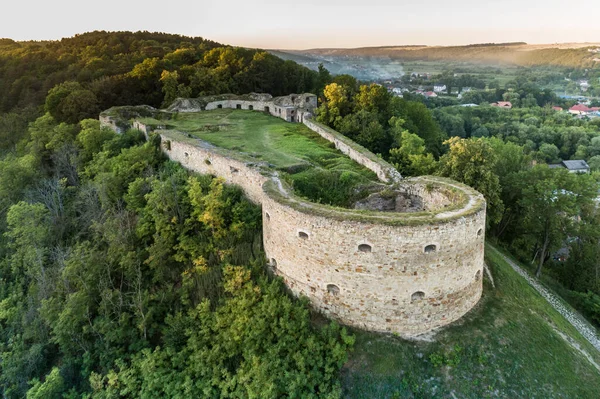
(406, 273)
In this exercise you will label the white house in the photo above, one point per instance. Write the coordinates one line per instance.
(439, 88)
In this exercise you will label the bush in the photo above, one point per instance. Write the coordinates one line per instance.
(588, 303)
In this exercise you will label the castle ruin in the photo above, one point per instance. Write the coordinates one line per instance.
(402, 270)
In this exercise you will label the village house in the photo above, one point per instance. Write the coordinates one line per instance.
(502, 104)
(573, 166)
(582, 109)
(439, 88)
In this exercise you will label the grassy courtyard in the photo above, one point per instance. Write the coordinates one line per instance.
(512, 345)
(310, 163)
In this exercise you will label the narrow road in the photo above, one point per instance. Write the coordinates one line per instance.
(572, 317)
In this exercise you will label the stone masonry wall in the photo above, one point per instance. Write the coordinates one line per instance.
(384, 171)
(107, 121)
(363, 271)
(371, 290)
(374, 290)
(203, 158)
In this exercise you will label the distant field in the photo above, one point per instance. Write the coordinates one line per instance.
(509, 346)
(499, 73)
(566, 55)
(377, 68)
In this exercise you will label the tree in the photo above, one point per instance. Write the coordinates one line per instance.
(70, 102)
(348, 82)
(52, 387)
(409, 157)
(364, 128)
(172, 88)
(323, 78)
(419, 120)
(514, 98)
(529, 101)
(335, 106)
(92, 137)
(549, 201)
(549, 153)
(594, 163)
(373, 98)
(472, 162)
(510, 160)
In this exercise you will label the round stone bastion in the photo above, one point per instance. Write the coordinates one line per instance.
(406, 273)
(407, 259)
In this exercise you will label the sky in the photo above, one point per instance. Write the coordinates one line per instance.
(304, 24)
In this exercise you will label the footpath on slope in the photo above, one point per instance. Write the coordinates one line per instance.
(572, 317)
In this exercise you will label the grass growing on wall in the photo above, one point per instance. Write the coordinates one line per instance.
(507, 347)
(310, 163)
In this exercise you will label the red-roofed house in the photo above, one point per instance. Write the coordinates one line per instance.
(581, 109)
(502, 104)
(430, 94)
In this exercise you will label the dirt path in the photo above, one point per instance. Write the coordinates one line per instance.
(572, 317)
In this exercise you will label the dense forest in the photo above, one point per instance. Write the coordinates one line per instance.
(94, 71)
(123, 275)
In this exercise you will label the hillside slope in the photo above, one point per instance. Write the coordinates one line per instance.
(567, 54)
(513, 344)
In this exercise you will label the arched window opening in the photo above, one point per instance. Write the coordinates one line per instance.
(273, 263)
(333, 289)
(219, 105)
(303, 235)
(207, 161)
(430, 248)
(186, 154)
(479, 232)
(417, 296)
(238, 106)
(364, 248)
(267, 109)
(267, 216)
(251, 107)
(478, 275)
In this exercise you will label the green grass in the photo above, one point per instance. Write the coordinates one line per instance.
(263, 136)
(311, 164)
(507, 347)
